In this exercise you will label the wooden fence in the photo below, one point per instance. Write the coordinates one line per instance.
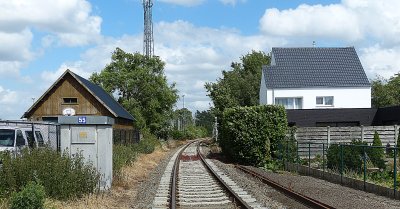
(126, 136)
(318, 136)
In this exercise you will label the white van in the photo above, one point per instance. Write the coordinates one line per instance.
(17, 138)
(34, 140)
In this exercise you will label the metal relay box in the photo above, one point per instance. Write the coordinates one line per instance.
(90, 136)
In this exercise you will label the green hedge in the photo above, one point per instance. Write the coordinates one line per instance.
(250, 135)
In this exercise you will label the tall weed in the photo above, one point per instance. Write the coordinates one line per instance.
(62, 177)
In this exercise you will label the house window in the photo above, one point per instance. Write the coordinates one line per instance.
(324, 101)
(68, 100)
(290, 102)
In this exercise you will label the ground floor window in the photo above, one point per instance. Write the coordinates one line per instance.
(324, 100)
(290, 102)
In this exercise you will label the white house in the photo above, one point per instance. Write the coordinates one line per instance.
(315, 77)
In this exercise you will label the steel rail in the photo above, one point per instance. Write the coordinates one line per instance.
(236, 198)
(175, 171)
(299, 197)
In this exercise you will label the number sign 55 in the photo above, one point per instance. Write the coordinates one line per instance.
(81, 119)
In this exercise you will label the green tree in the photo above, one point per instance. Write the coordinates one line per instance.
(239, 86)
(376, 155)
(205, 119)
(142, 88)
(184, 116)
(386, 92)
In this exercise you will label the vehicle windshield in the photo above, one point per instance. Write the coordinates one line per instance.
(31, 140)
(7, 137)
(39, 138)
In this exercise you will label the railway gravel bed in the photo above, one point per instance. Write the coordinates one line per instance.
(262, 192)
(332, 194)
(147, 189)
(329, 193)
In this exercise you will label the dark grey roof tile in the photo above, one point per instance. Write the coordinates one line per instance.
(315, 67)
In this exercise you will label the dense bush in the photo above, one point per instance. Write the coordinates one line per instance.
(148, 144)
(352, 156)
(376, 155)
(62, 177)
(190, 132)
(250, 135)
(32, 196)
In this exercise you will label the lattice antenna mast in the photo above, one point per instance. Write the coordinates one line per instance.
(148, 40)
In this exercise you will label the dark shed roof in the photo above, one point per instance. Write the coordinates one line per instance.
(315, 67)
(99, 93)
(105, 98)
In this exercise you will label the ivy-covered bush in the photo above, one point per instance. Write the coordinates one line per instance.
(250, 135)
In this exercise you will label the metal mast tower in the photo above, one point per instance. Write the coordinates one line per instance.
(148, 40)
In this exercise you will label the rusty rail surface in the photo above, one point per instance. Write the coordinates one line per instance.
(299, 197)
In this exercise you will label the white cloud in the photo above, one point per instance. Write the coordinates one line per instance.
(187, 3)
(9, 69)
(8, 102)
(232, 2)
(333, 21)
(381, 61)
(350, 21)
(70, 20)
(7, 97)
(15, 46)
(193, 55)
(63, 22)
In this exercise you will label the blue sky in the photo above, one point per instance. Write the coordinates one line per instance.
(197, 39)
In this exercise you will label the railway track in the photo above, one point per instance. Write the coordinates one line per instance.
(311, 202)
(195, 182)
(191, 181)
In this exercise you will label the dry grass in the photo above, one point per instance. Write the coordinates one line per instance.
(123, 191)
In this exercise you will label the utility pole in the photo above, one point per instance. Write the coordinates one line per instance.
(183, 113)
(148, 40)
(215, 130)
(183, 100)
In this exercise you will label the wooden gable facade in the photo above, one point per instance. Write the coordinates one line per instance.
(70, 92)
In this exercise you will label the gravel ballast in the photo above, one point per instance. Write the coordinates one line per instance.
(332, 194)
(147, 189)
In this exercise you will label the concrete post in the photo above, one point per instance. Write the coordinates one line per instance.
(362, 133)
(328, 130)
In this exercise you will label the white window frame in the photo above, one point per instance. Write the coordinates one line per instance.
(294, 102)
(324, 101)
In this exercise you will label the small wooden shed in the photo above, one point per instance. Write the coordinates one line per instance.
(72, 93)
